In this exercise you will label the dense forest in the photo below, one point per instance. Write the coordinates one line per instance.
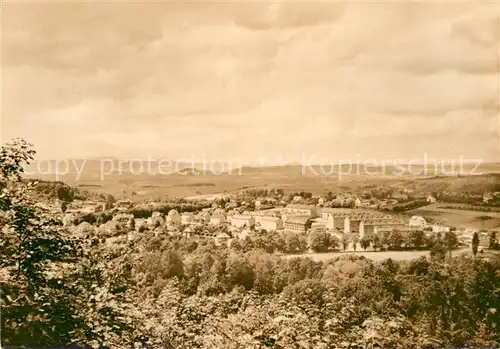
(60, 289)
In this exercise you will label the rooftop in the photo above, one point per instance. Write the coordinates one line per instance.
(417, 217)
(301, 206)
(402, 230)
(243, 217)
(222, 236)
(270, 219)
(298, 220)
(335, 210)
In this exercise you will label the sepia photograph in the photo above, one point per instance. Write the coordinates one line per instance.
(227, 174)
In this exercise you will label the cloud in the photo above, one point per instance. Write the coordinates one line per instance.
(233, 79)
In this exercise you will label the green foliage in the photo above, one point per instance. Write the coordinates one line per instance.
(395, 240)
(416, 239)
(451, 240)
(175, 292)
(438, 251)
(493, 241)
(32, 244)
(365, 242)
(345, 241)
(46, 286)
(145, 211)
(110, 202)
(268, 301)
(321, 241)
(377, 244)
(293, 243)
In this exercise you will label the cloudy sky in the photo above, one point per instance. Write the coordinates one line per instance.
(244, 80)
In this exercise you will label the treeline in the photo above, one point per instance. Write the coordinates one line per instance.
(257, 193)
(147, 211)
(414, 240)
(51, 190)
(97, 218)
(476, 207)
(319, 241)
(409, 206)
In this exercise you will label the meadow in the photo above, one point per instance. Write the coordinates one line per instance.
(375, 256)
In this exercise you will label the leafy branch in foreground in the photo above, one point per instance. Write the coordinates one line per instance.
(55, 290)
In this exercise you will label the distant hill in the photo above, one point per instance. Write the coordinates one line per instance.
(94, 167)
(141, 179)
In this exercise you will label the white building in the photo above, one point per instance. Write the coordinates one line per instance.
(89, 209)
(68, 219)
(437, 228)
(357, 202)
(284, 217)
(222, 239)
(271, 223)
(337, 221)
(154, 221)
(374, 225)
(173, 217)
(352, 223)
(242, 233)
(298, 224)
(187, 218)
(431, 199)
(242, 221)
(302, 210)
(217, 219)
(257, 215)
(140, 222)
(417, 222)
(219, 211)
(273, 212)
(487, 197)
(471, 231)
(85, 228)
(326, 213)
(188, 232)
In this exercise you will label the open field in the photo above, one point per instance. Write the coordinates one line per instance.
(374, 256)
(458, 218)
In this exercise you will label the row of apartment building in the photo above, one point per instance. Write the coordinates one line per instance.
(347, 221)
(302, 218)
